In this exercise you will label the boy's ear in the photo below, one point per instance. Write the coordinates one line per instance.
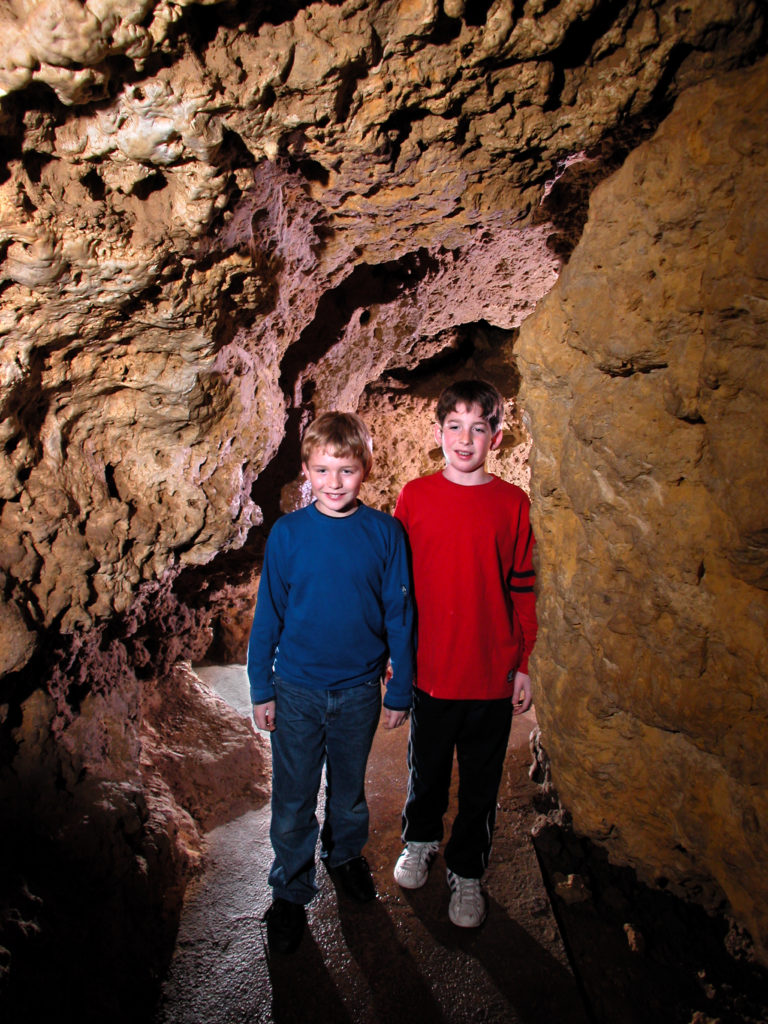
(438, 433)
(496, 439)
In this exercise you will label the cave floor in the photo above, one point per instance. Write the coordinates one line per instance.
(568, 939)
(372, 964)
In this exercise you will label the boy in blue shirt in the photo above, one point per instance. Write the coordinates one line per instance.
(334, 605)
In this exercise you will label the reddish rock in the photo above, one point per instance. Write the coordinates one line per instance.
(211, 758)
(212, 226)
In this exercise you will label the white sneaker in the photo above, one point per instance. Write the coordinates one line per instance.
(467, 908)
(413, 863)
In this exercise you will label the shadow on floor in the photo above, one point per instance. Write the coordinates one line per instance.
(641, 955)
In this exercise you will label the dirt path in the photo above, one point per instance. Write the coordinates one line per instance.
(382, 962)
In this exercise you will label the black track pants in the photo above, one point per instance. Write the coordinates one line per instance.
(478, 730)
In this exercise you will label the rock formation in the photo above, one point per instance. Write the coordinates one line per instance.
(645, 378)
(217, 220)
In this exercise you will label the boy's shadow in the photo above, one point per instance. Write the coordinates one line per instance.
(536, 986)
(394, 979)
(303, 991)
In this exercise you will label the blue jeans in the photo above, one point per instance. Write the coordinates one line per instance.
(316, 727)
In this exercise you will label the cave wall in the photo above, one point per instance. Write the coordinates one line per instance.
(645, 379)
(217, 220)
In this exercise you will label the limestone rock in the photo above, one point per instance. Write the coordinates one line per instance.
(17, 642)
(93, 853)
(265, 217)
(644, 377)
(212, 759)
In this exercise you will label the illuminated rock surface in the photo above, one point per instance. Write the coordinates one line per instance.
(645, 379)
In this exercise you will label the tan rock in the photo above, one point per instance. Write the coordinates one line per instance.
(17, 641)
(643, 375)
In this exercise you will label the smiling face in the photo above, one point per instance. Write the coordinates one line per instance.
(335, 481)
(466, 440)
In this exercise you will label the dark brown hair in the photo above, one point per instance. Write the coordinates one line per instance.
(469, 393)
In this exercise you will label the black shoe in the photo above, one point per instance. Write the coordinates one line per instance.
(355, 879)
(285, 925)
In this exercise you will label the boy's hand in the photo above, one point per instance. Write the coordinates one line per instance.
(392, 719)
(521, 693)
(264, 716)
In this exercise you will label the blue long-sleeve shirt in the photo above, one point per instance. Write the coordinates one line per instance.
(334, 604)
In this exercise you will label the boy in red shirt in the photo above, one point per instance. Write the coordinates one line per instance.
(472, 547)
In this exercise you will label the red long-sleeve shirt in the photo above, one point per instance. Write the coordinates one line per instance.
(474, 581)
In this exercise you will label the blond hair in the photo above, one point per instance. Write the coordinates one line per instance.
(339, 434)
